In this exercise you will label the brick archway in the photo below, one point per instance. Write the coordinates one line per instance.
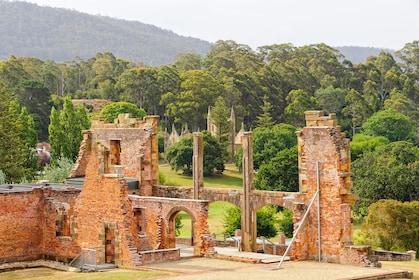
(171, 230)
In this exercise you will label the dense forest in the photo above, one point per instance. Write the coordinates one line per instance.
(290, 79)
(61, 35)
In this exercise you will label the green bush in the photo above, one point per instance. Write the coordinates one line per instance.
(58, 171)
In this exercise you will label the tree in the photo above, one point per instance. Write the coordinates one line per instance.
(36, 98)
(111, 111)
(13, 151)
(220, 115)
(66, 130)
(398, 102)
(188, 61)
(389, 172)
(139, 85)
(231, 220)
(267, 222)
(280, 173)
(393, 225)
(267, 142)
(361, 144)
(179, 155)
(198, 90)
(265, 119)
(357, 109)
(298, 102)
(390, 124)
(331, 100)
(29, 139)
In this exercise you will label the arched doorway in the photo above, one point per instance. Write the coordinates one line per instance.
(172, 229)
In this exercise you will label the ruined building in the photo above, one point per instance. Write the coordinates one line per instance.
(113, 205)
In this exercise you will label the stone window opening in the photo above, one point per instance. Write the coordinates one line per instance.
(62, 224)
(139, 217)
(115, 147)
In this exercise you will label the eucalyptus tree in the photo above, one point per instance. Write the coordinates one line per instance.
(37, 99)
(298, 102)
(409, 55)
(168, 80)
(198, 90)
(358, 110)
(139, 86)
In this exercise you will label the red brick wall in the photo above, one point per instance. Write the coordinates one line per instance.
(103, 201)
(21, 231)
(62, 248)
(321, 141)
(28, 226)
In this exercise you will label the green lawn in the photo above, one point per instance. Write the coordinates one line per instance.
(231, 178)
(215, 219)
(410, 266)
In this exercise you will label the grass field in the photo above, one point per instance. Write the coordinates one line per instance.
(231, 178)
(410, 266)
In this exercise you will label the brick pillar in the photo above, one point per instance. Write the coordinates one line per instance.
(248, 223)
(321, 141)
(198, 164)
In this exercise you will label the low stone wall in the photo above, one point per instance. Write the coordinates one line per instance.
(394, 256)
(160, 255)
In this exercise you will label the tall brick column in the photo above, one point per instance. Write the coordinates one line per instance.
(248, 242)
(322, 142)
(198, 164)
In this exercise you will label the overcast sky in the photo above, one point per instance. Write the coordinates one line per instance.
(369, 23)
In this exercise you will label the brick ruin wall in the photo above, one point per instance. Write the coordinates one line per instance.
(71, 220)
(28, 225)
(322, 142)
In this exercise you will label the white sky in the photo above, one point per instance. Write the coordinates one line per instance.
(369, 23)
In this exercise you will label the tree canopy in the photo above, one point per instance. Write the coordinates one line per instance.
(389, 172)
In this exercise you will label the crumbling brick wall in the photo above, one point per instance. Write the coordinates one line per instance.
(28, 225)
(322, 143)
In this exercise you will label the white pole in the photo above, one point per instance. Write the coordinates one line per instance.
(318, 211)
(298, 229)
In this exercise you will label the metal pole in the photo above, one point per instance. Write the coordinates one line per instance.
(298, 229)
(318, 211)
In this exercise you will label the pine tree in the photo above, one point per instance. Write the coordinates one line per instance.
(265, 119)
(65, 130)
(12, 157)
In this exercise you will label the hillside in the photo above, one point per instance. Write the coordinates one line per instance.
(360, 54)
(61, 34)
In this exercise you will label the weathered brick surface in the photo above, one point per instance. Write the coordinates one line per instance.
(28, 225)
(321, 142)
(125, 227)
(160, 216)
(21, 232)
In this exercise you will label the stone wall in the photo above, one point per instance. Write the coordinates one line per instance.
(159, 221)
(321, 143)
(28, 225)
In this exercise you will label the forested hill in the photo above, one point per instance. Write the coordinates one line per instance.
(62, 34)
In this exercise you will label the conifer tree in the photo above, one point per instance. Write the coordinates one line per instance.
(11, 157)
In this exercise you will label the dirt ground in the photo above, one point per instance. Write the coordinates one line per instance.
(205, 268)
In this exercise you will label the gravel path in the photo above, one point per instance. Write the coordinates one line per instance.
(206, 268)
